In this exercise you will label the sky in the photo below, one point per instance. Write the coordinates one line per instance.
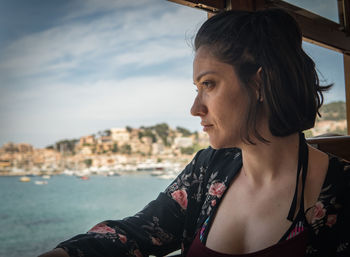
(70, 68)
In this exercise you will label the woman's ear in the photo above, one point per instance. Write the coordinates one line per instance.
(258, 83)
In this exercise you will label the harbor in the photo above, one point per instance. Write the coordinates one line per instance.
(36, 216)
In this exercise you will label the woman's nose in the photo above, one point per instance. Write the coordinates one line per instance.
(198, 108)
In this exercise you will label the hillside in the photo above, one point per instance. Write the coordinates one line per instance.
(332, 120)
(333, 111)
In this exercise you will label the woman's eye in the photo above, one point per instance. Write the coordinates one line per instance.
(208, 84)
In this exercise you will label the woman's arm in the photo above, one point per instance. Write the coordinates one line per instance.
(58, 252)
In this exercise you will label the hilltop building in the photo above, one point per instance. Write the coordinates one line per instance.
(120, 135)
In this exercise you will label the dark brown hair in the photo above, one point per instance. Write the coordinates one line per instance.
(271, 40)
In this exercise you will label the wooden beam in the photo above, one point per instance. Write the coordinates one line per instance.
(346, 16)
(206, 5)
(347, 88)
(337, 145)
(341, 12)
(246, 5)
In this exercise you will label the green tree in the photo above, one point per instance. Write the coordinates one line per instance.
(334, 111)
(115, 148)
(147, 132)
(187, 150)
(88, 162)
(162, 131)
(66, 145)
(125, 149)
(128, 128)
(185, 132)
(107, 132)
(308, 133)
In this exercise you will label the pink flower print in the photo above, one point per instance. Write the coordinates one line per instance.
(331, 220)
(217, 189)
(137, 253)
(180, 196)
(102, 228)
(202, 231)
(122, 238)
(319, 212)
(213, 203)
(156, 241)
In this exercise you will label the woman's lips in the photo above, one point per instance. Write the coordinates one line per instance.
(206, 127)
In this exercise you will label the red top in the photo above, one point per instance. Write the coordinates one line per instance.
(295, 247)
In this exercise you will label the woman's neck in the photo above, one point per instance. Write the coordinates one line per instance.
(264, 163)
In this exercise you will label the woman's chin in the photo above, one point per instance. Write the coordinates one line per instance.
(219, 145)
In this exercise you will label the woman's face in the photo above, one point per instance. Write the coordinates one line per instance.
(221, 101)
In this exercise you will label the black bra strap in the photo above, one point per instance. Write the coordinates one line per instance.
(304, 173)
(303, 158)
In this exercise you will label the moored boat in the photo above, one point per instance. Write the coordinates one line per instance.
(24, 179)
(40, 182)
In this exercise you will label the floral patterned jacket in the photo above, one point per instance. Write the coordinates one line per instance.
(172, 220)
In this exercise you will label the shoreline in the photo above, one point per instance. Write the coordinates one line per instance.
(121, 173)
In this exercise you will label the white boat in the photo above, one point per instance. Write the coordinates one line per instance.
(112, 173)
(68, 172)
(40, 182)
(24, 179)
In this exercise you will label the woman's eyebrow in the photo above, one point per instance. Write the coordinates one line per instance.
(203, 74)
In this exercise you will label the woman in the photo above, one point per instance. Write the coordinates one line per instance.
(259, 190)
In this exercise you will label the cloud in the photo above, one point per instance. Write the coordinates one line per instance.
(122, 35)
(85, 8)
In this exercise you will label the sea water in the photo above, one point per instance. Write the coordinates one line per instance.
(35, 218)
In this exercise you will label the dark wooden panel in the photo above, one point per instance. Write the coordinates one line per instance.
(207, 5)
(346, 16)
(347, 88)
(337, 145)
(245, 5)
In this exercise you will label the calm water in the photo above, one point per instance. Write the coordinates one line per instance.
(35, 218)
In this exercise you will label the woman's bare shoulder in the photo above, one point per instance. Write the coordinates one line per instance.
(316, 175)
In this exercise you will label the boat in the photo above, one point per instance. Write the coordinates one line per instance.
(40, 182)
(112, 173)
(24, 179)
(68, 172)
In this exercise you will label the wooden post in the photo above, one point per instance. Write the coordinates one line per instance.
(347, 88)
